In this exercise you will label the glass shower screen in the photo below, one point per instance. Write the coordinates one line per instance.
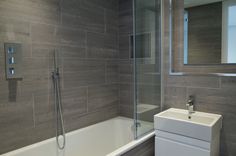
(147, 62)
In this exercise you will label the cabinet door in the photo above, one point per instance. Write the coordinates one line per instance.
(166, 147)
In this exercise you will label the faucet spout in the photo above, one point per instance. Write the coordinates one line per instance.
(190, 106)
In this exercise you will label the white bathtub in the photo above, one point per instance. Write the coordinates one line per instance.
(113, 137)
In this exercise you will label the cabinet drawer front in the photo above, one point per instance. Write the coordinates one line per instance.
(165, 147)
(184, 140)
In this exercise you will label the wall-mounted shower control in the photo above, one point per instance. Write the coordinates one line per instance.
(11, 60)
(13, 52)
(10, 50)
(11, 71)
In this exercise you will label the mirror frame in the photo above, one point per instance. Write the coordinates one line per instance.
(177, 66)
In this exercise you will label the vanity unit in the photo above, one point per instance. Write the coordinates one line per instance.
(179, 135)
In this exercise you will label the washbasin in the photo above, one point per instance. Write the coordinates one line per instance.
(202, 126)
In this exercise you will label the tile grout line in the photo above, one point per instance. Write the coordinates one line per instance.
(87, 99)
(33, 107)
(106, 81)
(220, 83)
(86, 46)
(105, 20)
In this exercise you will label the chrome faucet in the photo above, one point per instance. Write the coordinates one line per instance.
(190, 106)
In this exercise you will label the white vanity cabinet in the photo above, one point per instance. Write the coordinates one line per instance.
(167, 144)
(176, 135)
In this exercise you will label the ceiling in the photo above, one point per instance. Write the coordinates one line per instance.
(192, 3)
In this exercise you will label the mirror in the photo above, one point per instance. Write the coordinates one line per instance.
(209, 32)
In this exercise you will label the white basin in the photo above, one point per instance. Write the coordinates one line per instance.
(202, 126)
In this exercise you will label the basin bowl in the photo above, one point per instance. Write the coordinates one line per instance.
(202, 126)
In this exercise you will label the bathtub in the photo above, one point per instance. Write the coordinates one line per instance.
(113, 137)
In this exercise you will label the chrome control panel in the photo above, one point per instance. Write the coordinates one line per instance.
(13, 53)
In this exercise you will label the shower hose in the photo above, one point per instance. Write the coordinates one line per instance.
(60, 130)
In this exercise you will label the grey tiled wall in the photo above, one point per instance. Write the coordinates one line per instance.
(96, 75)
(85, 32)
(213, 94)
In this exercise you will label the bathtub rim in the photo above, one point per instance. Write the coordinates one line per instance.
(126, 148)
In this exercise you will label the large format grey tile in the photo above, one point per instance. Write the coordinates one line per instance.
(16, 115)
(43, 33)
(102, 96)
(101, 53)
(228, 82)
(98, 40)
(74, 65)
(112, 71)
(22, 137)
(34, 11)
(84, 18)
(193, 81)
(14, 30)
(84, 78)
(74, 101)
(70, 36)
(108, 4)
